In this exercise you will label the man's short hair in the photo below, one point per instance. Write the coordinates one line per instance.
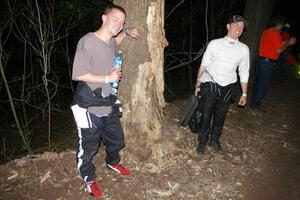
(113, 6)
(276, 20)
(236, 19)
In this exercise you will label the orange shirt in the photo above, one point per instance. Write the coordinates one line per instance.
(270, 43)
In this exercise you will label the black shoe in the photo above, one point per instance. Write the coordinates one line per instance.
(201, 148)
(215, 145)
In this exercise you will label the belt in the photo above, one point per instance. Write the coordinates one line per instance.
(267, 59)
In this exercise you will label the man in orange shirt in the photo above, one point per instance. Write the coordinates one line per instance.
(270, 46)
(280, 66)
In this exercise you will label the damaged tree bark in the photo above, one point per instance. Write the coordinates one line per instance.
(142, 85)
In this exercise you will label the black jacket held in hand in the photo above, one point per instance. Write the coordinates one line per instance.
(84, 97)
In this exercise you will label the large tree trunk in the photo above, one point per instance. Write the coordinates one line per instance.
(142, 85)
(258, 13)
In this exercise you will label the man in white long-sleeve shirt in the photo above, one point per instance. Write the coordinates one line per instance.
(216, 79)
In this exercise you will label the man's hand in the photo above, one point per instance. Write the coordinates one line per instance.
(292, 41)
(114, 75)
(243, 101)
(197, 90)
(133, 32)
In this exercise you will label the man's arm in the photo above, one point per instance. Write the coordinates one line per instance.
(286, 44)
(112, 76)
(200, 72)
(198, 83)
(206, 60)
(243, 98)
(132, 32)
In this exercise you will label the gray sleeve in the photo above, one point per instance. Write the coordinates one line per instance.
(81, 64)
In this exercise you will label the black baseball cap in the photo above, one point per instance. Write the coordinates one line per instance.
(236, 19)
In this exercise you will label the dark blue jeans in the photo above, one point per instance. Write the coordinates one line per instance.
(279, 67)
(262, 81)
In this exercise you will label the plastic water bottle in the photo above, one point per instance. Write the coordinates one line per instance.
(118, 59)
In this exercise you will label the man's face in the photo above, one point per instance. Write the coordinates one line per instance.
(235, 30)
(114, 21)
(279, 27)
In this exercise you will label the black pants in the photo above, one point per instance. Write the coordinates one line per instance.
(216, 101)
(106, 130)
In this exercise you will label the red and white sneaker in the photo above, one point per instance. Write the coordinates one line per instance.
(119, 169)
(94, 189)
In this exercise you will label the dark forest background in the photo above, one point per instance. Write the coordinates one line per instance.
(37, 44)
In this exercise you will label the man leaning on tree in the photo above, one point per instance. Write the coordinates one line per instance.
(94, 105)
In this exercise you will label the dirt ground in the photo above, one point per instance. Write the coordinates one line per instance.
(260, 160)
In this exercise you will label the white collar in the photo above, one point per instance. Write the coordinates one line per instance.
(230, 40)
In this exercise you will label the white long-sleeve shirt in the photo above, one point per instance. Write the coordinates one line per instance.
(222, 58)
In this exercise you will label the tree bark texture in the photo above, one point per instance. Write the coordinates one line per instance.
(142, 86)
(258, 14)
